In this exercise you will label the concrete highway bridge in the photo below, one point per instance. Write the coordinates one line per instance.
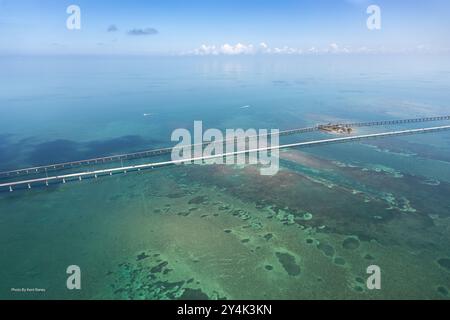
(93, 174)
(46, 169)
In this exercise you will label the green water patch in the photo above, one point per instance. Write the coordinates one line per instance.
(268, 236)
(140, 282)
(383, 169)
(358, 288)
(142, 256)
(159, 267)
(117, 197)
(199, 200)
(176, 195)
(307, 216)
(359, 280)
(224, 207)
(369, 257)
(357, 284)
(149, 276)
(444, 263)
(256, 224)
(407, 149)
(431, 182)
(442, 290)
(301, 196)
(351, 243)
(327, 249)
(380, 182)
(284, 215)
(332, 176)
(164, 210)
(339, 261)
(193, 294)
(288, 262)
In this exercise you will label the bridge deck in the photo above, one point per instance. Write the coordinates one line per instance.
(97, 173)
(156, 152)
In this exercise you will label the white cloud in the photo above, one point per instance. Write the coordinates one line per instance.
(205, 50)
(239, 49)
(334, 47)
(225, 49)
(264, 49)
(313, 50)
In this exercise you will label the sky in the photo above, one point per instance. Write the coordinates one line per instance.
(215, 27)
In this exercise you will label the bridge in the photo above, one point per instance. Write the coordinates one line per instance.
(124, 169)
(45, 169)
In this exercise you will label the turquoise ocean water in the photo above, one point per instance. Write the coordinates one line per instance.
(225, 231)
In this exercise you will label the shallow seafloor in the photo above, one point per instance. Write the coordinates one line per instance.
(215, 232)
(226, 232)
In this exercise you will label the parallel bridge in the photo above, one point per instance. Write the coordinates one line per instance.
(45, 169)
(97, 173)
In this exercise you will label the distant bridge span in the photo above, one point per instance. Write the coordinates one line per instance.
(156, 152)
(95, 174)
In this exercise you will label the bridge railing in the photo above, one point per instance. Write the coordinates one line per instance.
(95, 174)
(45, 169)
